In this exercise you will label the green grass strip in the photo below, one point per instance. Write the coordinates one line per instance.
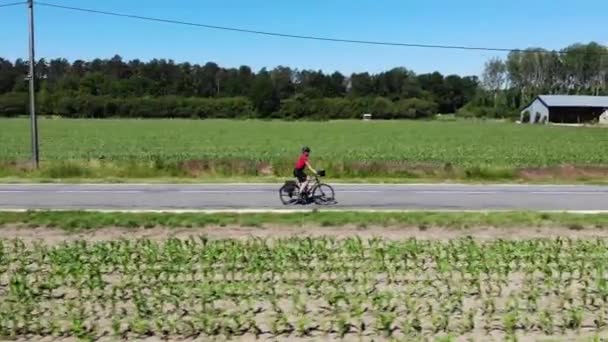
(76, 221)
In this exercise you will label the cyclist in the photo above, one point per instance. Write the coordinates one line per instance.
(303, 163)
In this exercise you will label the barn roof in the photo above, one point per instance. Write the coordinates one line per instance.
(574, 101)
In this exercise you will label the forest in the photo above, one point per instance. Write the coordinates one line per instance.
(160, 88)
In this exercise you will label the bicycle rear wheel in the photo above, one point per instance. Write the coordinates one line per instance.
(323, 194)
(289, 195)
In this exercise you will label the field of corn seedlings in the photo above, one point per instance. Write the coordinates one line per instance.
(305, 288)
(148, 148)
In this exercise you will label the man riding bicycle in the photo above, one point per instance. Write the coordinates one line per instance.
(298, 192)
(303, 163)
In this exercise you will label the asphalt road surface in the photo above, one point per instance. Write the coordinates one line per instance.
(266, 196)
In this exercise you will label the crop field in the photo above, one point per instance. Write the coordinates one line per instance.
(145, 148)
(303, 288)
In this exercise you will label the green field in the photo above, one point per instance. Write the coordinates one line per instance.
(83, 221)
(303, 277)
(304, 289)
(347, 149)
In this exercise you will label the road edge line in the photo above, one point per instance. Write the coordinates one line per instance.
(292, 211)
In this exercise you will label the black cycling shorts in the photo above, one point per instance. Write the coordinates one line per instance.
(300, 175)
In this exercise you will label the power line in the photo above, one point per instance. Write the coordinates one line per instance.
(307, 37)
(13, 4)
(285, 35)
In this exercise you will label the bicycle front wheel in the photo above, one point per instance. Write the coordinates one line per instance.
(323, 194)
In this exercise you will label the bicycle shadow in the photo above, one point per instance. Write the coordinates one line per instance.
(310, 201)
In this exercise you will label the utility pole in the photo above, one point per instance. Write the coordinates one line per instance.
(32, 79)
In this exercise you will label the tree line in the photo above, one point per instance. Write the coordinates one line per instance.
(162, 88)
(579, 69)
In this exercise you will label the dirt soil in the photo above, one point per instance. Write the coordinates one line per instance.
(564, 172)
(52, 236)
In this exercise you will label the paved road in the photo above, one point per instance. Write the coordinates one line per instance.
(256, 196)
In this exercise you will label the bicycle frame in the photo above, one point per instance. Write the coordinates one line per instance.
(312, 182)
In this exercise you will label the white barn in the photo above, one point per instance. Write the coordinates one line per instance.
(604, 118)
(565, 109)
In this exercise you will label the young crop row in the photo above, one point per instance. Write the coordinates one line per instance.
(438, 143)
(304, 288)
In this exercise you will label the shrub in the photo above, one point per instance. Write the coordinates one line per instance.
(13, 104)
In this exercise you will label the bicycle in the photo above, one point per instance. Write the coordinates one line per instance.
(319, 193)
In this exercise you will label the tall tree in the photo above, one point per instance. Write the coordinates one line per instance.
(361, 84)
(8, 76)
(282, 79)
(263, 94)
(494, 77)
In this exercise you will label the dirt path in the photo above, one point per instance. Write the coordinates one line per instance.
(55, 236)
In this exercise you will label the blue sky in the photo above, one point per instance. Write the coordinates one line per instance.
(551, 24)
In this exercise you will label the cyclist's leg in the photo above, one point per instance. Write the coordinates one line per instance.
(301, 177)
(304, 187)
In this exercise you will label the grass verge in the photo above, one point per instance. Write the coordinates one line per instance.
(199, 150)
(214, 171)
(280, 180)
(78, 221)
(246, 168)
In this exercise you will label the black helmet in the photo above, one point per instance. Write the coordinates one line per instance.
(305, 149)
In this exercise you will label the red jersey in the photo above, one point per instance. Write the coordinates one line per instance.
(301, 163)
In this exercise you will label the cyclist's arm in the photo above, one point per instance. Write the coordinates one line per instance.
(311, 168)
